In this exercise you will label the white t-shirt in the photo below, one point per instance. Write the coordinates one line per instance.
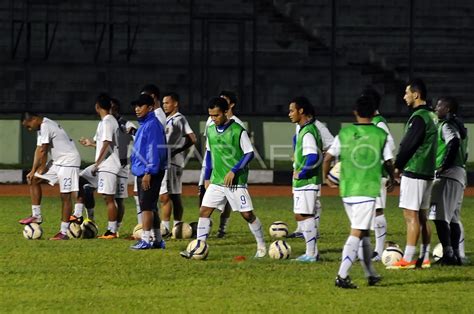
(326, 137)
(62, 148)
(309, 145)
(335, 149)
(390, 140)
(177, 128)
(161, 116)
(107, 130)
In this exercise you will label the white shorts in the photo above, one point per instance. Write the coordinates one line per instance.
(87, 174)
(175, 182)
(216, 196)
(104, 182)
(306, 200)
(445, 199)
(122, 182)
(415, 194)
(67, 177)
(164, 184)
(381, 201)
(361, 211)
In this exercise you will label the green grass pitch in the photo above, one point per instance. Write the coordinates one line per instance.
(104, 276)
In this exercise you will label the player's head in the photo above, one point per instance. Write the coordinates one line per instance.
(300, 107)
(415, 92)
(143, 105)
(153, 91)
(103, 103)
(446, 106)
(31, 121)
(364, 107)
(115, 107)
(370, 91)
(217, 108)
(231, 98)
(170, 103)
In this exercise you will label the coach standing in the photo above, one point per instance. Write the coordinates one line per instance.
(149, 159)
(417, 157)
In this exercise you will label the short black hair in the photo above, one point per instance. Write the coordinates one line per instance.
(451, 103)
(27, 115)
(370, 91)
(231, 95)
(151, 89)
(365, 106)
(417, 85)
(172, 95)
(143, 99)
(218, 102)
(302, 102)
(104, 101)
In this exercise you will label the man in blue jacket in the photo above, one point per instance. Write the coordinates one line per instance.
(149, 159)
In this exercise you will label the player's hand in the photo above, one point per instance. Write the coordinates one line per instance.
(331, 184)
(94, 170)
(146, 182)
(41, 170)
(86, 141)
(29, 176)
(296, 175)
(207, 183)
(229, 179)
(390, 185)
(131, 131)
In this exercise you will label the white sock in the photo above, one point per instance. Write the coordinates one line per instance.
(36, 211)
(139, 210)
(78, 208)
(174, 223)
(317, 220)
(299, 226)
(380, 233)
(112, 227)
(64, 227)
(425, 252)
(409, 253)
(146, 236)
(203, 228)
(166, 224)
(462, 253)
(256, 228)
(349, 254)
(365, 257)
(309, 233)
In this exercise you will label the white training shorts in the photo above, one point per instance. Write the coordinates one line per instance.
(164, 184)
(415, 194)
(361, 211)
(122, 182)
(217, 195)
(381, 201)
(175, 182)
(306, 200)
(445, 198)
(104, 182)
(67, 177)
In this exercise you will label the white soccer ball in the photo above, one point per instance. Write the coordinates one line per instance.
(279, 250)
(438, 252)
(89, 229)
(74, 230)
(32, 231)
(335, 173)
(182, 230)
(137, 232)
(278, 229)
(198, 249)
(391, 255)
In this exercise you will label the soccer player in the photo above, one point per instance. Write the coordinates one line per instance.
(232, 100)
(361, 148)
(103, 173)
(306, 173)
(416, 158)
(62, 169)
(449, 186)
(149, 160)
(380, 223)
(179, 137)
(228, 153)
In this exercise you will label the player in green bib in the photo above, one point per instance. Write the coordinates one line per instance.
(306, 173)
(228, 153)
(416, 158)
(448, 188)
(361, 147)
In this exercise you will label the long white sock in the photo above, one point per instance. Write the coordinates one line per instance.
(425, 252)
(462, 253)
(409, 253)
(146, 236)
(64, 226)
(365, 257)
(36, 210)
(166, 224)
(309, 233)
(112, 226)
(256, 228)
(78, 208)
(203, 228)
(380, 233)
(139, 210)
(317, 220)
(349, 254)
(299, 226)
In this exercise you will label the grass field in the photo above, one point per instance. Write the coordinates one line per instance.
(104, 276)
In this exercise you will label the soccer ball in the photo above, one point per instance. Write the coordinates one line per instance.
(391, 255)
(278, 229)
(32, 231)
(182, 230)
(334, 173)
(279, 250)
(74, 230)
(89, 229)
(137, 232)
(438, 252)
(199, 249)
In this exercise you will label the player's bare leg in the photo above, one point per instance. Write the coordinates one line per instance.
(111, 232)
(36, 197)
(120, 211)
(425, 231)
(224, 219)
(166, 209)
